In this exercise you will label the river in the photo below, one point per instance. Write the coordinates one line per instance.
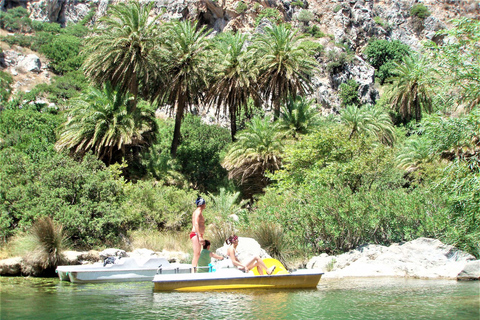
(359, 298)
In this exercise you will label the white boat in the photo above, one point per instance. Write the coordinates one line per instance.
(124, 269)
(233, 279)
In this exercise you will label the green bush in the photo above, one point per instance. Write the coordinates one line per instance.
(199, 154)
(271, 14)
(64, 87)
(337, 61)
(297, 3)
(64, 53)
(337, 8)
(420, 10)
(153, 206)
(336, 193)
(15, 19)
(382, 54)
(6, 80)
(241, 7)
(315, 31)
(305, 16)
(349, 93)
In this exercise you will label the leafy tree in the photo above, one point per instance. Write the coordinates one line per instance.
(413, 153)
(334, 193)
(103, 121)
(459, 60)
(298, 116)
(235, 80)
(349, 93)
(257, 151)
(122, 48)
(411, 89)
(285, 64)
(382, 55)
(199, 154)
(185, 54)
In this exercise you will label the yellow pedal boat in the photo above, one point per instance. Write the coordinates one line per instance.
(233, 279)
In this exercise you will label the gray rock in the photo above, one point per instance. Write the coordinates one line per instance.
(421, 258)
(112, 252)
(11, 267)
(471, 271)
(30, 63)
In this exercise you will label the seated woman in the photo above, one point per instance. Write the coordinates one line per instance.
(206, 257)
(249, 265)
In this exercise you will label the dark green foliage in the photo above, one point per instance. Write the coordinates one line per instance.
(241, 7)
(383, 54)
(314, 31)
(153, 206)
(336, 193)
(349, 93)
(63, 52)
(271, 14)
(336, 61)
(5, 89)
(199, 154)
(420, 10)
(64, 87)
(15, 20)
(297, 3)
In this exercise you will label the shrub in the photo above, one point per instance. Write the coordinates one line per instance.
(337, 61)
(337, 8)
(420, 10)
(382, 54)
(315, 31)
(271, 14)
(64, 53)
(15, 19)
(241, 7)
(349, 93)
(305, 16)
(6, 80)
(297, 3)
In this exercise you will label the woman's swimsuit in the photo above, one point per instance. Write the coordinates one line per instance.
(192, 234)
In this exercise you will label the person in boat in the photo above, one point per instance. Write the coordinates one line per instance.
(250, 264)
(206, 257)
(198, 230)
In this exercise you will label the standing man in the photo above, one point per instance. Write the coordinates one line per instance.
(198, 230)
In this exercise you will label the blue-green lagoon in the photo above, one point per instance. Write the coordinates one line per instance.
(359, 298)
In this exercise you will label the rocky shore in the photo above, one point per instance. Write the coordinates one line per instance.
(422, 258)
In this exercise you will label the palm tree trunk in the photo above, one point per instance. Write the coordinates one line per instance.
(178, 124)
(233, 124)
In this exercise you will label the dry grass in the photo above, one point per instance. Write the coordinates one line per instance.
(157, 241)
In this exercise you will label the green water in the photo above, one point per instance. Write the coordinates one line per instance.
(34, 298)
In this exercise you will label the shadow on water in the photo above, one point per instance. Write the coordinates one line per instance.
(35, 298)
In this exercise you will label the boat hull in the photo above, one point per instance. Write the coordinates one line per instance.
(218, 281)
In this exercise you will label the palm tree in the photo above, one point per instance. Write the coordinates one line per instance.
(298, 116)
(122, 48)
(285, 63)
(185, 57)
(411, 90)
(369, 120)
(257, 150)
(415, 151)
(235, 83)
(104, 121)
